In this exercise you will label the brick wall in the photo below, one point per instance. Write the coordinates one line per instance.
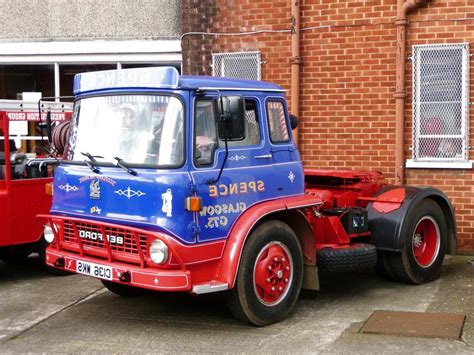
(457, 184)
(348, 80)
(197, 16)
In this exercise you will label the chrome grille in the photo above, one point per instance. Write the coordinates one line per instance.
(91, 235)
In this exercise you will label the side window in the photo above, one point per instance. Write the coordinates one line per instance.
(205, 132)
(252, 126)
(277, 122)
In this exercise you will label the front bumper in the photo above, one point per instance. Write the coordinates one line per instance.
(153, 279)
(190, 268)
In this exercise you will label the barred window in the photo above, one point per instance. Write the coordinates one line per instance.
(440, 103)
(241, 65)
(277, 122)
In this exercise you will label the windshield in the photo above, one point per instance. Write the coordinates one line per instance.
(140, 129)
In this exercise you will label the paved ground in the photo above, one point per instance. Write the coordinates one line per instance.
(40, 313)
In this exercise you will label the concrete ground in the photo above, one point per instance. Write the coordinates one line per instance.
(40, 313)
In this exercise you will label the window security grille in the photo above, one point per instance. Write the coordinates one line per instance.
(241, 65)
(277, 122)
(440, 103)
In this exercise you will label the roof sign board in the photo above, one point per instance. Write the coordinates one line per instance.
(154, 77)
(34, 116)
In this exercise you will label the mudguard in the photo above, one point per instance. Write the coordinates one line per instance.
(386, 225)
(254, 215)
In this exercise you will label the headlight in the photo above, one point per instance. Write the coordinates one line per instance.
(48, 234)
(158, 251)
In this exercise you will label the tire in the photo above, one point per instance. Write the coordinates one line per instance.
(16, 255)
(423, 246)
(356, 257)
(270, 275)
(123, 290)
(384, 266)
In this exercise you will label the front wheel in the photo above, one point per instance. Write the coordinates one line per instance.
(269, 278)
(123, 290)
(424, 245)
(16, 255)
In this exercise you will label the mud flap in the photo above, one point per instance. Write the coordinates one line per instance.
(386, 225)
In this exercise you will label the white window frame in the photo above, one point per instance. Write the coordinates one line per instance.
(433, 162)
(90, 52)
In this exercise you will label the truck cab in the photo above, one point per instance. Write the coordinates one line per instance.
(184, 183)
(170, 143)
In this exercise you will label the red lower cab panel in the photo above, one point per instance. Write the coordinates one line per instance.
(120, 254)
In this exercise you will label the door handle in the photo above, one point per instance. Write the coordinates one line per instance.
(265, 156)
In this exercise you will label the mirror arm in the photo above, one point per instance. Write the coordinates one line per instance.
(41, 128)
(225, 160)
(48, 126)
(225, 142)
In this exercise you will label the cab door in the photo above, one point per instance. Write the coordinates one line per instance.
(25, 187)
(287, 166)
(246, 178)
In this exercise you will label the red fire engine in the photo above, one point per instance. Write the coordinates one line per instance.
(26, 165)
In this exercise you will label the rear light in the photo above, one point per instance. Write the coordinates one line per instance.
(48, 188)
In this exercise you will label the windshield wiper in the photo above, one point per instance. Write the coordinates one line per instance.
(121, 164)
(90, 156)
(91, 160)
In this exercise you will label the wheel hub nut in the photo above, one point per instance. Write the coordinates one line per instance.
(280, 274)
(417, 240)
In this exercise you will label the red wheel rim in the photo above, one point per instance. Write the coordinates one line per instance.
(273, 273)
(426, 241)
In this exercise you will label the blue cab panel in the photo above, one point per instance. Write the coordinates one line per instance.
(149, 201)
(155, 198)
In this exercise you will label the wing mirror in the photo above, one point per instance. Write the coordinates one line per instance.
(232, 115)
(294, 122)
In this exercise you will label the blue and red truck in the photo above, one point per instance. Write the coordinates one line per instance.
(194, 184)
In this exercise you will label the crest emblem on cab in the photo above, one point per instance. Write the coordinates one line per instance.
(94, 190)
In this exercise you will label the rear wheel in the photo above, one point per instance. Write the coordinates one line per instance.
(424, 245)
(269, 278)
(384, 265)
(123, 290)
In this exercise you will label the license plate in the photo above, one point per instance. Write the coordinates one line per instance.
(95, 270)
